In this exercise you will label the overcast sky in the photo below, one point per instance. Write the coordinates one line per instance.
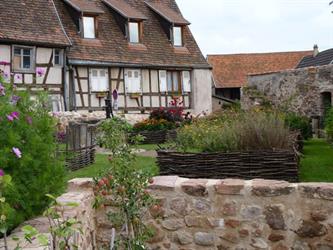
(241, 26)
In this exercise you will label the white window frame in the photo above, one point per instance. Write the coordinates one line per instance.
(61, 58)
(102, 82)
(138, 32)
(129, 88)
(162, 76)
(84, 27)
(174, 28)
(32, 58)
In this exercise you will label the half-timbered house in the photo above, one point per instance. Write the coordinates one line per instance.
(141, 49)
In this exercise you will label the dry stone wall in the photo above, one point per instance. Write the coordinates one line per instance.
(297, 90)
(220, 214)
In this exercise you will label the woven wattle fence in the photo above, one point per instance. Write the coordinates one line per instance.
(157, 137)
(276, 165)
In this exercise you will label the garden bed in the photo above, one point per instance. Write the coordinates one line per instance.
(156, 137)
(277, 165)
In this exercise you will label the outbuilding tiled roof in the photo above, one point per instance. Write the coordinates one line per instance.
(112, 47)
(323, 58)
(231, 71)
(31, 21)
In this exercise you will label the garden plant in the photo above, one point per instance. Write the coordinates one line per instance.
(28, 153)
(124, 186)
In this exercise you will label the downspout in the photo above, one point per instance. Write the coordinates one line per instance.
(65, 69)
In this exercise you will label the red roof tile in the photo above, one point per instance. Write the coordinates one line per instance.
(33, 21)
(124, 9)
(84, 6)
(231, 71)
(167, 13)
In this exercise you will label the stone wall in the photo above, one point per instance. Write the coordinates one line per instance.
(297, 90)
(224, 214)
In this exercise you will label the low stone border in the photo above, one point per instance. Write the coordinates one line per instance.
(217, 214)
(276, 165)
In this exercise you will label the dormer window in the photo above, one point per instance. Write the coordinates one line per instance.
(177, 36)
(134, 32)
(172, 22)
(129, 19)
(89, 27)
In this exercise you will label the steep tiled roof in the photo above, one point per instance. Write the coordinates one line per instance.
(112, 46)
(231, 71)
(169, 14)
(124, 9)
(323, 58)
(31, 21)
(84, 6)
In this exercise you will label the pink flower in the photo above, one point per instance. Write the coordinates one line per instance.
(2, 173)
(4, 63)
(17, 152)
(10, 118)
(15, 99)
(40, 72)
(18, 77)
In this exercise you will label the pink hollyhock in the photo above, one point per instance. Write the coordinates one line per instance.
(15, 115)
(2, 173)
(17, 152)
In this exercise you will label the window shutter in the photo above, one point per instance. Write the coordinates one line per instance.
(133, 81)
(163, 80)
(99, 80)
(186, 80)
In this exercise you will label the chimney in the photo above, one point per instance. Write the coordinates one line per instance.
(315, 50)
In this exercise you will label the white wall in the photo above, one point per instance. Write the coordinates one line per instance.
(202, 91)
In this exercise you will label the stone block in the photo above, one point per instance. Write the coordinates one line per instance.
(195, 187)
(164, 183)
(270, 188)
(204, 239)
(229, 187)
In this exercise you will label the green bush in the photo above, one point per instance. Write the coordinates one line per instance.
(28, 152)
(300, 123)
(329, 125)
(235, 131)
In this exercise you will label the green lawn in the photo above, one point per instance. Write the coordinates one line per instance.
(102, 164)
(317, 164)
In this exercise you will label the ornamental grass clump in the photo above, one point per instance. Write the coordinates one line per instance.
(235, 130)
(28, 152)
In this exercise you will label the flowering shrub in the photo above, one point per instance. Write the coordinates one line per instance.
(154, 125)
(165, 119)
(27, 152)
(235, 131)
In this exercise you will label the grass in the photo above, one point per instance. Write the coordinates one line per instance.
(317, 165)
(101, 164)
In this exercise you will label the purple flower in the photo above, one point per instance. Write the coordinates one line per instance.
(17, 152)
(40, 72)
(15, 99)
(2, 173)
(2, 90)
(15, 115)
(29, 120)
(10, 118)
